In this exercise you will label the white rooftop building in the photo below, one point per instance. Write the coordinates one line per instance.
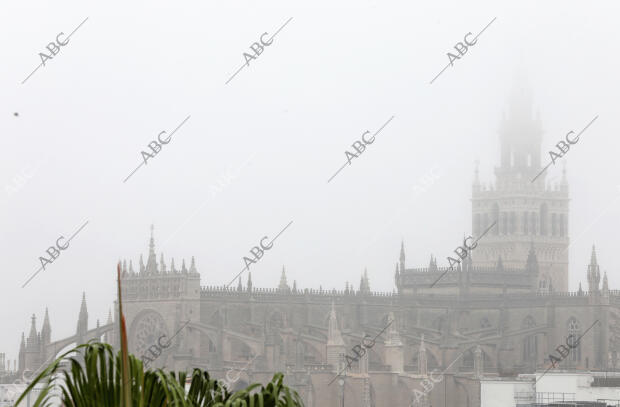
(557, 388)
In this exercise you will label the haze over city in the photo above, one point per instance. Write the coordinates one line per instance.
(256, 153)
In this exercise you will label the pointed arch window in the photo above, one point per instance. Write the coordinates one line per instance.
(574, 333)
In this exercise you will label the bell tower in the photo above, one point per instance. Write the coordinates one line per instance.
(528, 211)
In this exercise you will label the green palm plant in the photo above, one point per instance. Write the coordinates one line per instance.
(91, 375)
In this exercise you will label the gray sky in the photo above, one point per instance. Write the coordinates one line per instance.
(280, 129)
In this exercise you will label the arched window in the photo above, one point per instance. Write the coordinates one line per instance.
(525, 224)
(513, 223)
(563, 228)
(504, 228)
(533, 222)
(574, 334)
(554, 224)
(485, 221)
(543, 219)
(530, 342)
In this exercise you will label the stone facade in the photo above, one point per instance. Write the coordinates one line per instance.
(502, 311)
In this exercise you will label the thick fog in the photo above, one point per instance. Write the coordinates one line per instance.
(257, 152)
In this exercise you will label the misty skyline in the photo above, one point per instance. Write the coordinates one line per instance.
(278, 131)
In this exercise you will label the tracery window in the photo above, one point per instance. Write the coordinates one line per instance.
(574, 334)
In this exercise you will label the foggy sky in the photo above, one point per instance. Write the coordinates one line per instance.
(278, 132)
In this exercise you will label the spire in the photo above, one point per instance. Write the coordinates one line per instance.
(183, 268)
(402, 255)
(364, 285)
(333, 332)
(131, 267)
(580, 290)
(152, 242)
(239, 286)
(172, 269)
(594, 273)
(283, 284)
(32, 336)
(294, 286)
(151, 261)
(124, 267)
(162, 264)
(22, 344)
(82, 325)
(605, 288)
(46, 330)
(249, 281)
(109, 335)
(397, 277)
(141, 264)
(476, 175)
(192, 267)
(432, 265)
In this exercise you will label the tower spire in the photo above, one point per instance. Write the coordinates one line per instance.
(82, 325)
(46, 330)
(32, 342)
(402, 255)
(594, 273)
(151, 261)
(162, 264)
(283, 283)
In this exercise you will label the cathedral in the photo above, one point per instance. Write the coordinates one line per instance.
(501, 312)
